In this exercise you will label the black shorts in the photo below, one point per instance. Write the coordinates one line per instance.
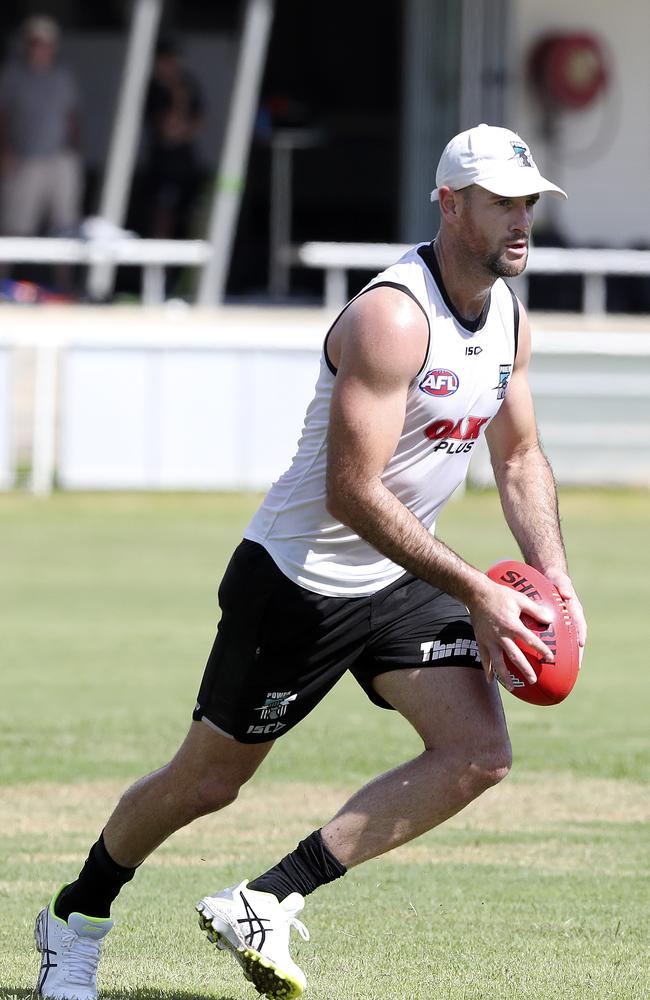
(280, 648)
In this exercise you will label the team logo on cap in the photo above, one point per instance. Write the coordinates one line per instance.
(440, 382)
(522, 155)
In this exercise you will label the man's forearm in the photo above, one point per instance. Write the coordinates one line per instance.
(376, 514)
(529, 500)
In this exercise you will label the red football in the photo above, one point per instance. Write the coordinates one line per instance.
(554, 680)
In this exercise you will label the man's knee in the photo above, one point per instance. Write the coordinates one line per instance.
(197, 795)
(199, 790)
(214, 793)
(490, 763)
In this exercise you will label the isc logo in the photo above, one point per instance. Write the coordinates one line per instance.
(439, 382)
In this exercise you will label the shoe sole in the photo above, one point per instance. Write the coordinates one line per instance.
(267, 978)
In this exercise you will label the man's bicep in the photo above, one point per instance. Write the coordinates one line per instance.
(379, 342)
(366, 420)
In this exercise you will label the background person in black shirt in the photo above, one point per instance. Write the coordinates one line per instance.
(174, 119)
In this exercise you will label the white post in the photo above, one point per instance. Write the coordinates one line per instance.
(336, 287)
(594, 300)
(126, 131)
(239, 130)
(284, 142)
(44, 419)
(153, 284)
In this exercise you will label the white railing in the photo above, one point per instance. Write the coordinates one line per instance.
(153, 256)
(336, 259)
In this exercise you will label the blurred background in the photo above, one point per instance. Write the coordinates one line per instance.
(190, 191)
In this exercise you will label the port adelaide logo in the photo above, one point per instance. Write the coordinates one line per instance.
(504, 377)
(275, 704)
(440, 382)
(274, 708)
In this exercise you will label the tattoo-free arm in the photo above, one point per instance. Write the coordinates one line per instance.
(526, 483)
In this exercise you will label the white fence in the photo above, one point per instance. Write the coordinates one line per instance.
(126, 399)
(336, 259)
(151, 256)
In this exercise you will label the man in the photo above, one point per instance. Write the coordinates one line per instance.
(174, 119)
(40, 169)
(340, 570)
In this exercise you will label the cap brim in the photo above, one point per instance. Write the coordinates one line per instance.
(513, 187)
(519, 187)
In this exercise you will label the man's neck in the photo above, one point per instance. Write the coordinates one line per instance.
(467, 286)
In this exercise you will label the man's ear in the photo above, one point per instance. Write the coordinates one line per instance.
(450, 203)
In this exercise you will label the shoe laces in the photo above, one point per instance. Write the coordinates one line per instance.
(81, 958)
(300, 927)
(292, 919)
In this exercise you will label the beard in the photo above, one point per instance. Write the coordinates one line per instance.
(498, 264)
(480, 249)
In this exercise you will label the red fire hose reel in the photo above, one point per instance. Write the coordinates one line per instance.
(568, 71)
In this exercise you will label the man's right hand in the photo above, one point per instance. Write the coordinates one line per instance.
(496, 613)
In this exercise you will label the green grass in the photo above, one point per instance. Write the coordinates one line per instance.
(539, 890)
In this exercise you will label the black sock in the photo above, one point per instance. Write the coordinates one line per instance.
(98, 884)
(310, 865)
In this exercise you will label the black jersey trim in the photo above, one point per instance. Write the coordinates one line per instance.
(380, 284)
(428, 255)
(515, 310)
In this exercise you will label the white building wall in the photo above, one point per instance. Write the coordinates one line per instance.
(604, 151)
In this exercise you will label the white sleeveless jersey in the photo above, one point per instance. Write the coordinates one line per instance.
(449, 404)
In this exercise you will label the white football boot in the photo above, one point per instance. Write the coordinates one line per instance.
(69, 954)
(254, 927)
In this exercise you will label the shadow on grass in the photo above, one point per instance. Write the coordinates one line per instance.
(15, 993)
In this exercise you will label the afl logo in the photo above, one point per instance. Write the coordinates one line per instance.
(439, 382)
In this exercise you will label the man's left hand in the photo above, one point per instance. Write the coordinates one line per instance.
(567, 592)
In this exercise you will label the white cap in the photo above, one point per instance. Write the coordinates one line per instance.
(494, 158)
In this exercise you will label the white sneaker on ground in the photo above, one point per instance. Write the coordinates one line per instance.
(69, 954)
(254, 927)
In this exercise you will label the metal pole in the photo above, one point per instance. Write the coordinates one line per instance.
(280, 216)
(239, 130)
(472, 63)
(44, 419)
(126, 131)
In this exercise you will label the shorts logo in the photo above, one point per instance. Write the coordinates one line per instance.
(268, 730)
(440, 382)
(276, 704)
(516, 681)
(446, 650)
(502, 385)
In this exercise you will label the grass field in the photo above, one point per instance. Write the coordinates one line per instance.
(539, 891)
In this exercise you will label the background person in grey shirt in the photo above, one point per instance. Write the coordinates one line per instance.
(40, 167)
